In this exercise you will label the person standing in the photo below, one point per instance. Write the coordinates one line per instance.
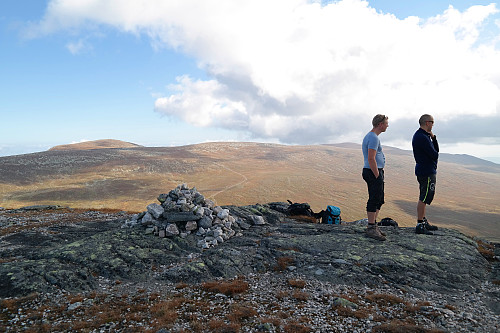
(373, 174)
(426, 153)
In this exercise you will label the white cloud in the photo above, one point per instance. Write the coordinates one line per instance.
(302, 72)
(80, 141)
(78, 47)
(210, 100)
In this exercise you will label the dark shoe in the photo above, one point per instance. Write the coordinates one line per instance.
(428, 226)
(372, 231)
(382, 233)
(421, 229)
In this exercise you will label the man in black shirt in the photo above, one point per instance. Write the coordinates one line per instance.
(426, 153)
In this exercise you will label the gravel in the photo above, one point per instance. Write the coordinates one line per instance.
(268, 302)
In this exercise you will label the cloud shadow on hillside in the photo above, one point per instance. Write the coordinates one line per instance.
(473, 221)
(97, 190)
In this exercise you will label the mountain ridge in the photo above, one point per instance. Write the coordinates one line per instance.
(113, 143)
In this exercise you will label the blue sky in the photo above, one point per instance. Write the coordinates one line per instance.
(163, 73)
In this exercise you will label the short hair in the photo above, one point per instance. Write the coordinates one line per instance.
(424, 118)
(380, 118)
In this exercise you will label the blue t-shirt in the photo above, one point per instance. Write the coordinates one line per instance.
(371, 141)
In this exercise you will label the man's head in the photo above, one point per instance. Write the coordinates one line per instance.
(426, 122)
(380, 122)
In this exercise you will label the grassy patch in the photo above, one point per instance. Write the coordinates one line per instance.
(236, 286)
(283, 263)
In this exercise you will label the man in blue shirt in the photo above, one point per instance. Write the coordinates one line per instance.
(373, 174)
(426, 153)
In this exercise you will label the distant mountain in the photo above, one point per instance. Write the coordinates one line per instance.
(471, 162)
(97, 144)
(468, 161)
(242, 173)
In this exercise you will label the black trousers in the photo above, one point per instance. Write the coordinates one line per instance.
(375, 189)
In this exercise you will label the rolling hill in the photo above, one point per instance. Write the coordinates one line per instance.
(97, 144)
(129, 177)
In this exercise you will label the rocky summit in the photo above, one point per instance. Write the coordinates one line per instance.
(185, 239)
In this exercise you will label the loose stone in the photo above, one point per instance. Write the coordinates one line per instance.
(183, 212)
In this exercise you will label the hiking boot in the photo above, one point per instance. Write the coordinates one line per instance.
(381, 232)
(421, 229)
(428, 226)
(372, 231)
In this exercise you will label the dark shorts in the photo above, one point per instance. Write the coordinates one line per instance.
(427, 188)
(375, 189)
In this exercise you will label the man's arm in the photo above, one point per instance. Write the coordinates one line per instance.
(434, 141)
(432, 149)
(373, 163)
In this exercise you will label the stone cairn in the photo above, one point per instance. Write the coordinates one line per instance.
(184, 212)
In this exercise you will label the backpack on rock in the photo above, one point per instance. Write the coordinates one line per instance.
(299, 209)
(330, 216)
(388, 222)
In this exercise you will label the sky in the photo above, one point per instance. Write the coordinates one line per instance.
(177, 72)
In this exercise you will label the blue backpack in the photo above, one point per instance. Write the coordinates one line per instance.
(332, 215)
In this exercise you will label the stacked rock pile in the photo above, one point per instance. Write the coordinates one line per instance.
(184, 212)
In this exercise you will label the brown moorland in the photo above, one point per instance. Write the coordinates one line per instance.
(238, 173)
